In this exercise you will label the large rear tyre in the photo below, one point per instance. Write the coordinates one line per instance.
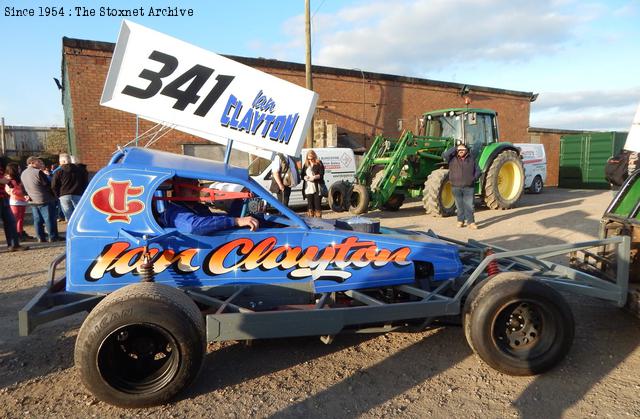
(437, 197)
(518, 325)
(358, 199)
(141, 345)
(505, 181)
(338, 196)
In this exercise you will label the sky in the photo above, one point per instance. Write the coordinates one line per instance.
(582, 57)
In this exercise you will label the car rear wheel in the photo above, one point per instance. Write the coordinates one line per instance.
(517, 324)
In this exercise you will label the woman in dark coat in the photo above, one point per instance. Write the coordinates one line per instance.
(313, 183)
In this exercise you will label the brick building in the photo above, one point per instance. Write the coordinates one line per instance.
(360, 104)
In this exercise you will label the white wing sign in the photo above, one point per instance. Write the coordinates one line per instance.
(164, 79)
(633, 138)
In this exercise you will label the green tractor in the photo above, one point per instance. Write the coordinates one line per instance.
(412, 166)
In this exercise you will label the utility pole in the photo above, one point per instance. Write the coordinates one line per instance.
(309, 80)
(2, 143)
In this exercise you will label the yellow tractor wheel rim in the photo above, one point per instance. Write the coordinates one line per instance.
(509, 180)
(446, 196)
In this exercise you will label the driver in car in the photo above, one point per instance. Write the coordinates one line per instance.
(191, 217)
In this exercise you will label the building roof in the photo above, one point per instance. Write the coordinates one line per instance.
(287, 65)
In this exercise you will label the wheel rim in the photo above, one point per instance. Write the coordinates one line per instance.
(537, 185)
(139, 358)
(524, 329)
(446, 196)
(509, 180)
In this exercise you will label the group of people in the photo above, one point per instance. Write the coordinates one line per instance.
(285, 176)
(40, 190)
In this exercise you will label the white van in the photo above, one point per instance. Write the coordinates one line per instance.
(534, 160)
(339, 164)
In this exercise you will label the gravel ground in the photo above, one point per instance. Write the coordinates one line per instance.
(432, 373)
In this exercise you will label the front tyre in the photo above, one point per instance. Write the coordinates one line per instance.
(518, 325)
(437, 196)
(358, 198)
(505, 181)
(141, 345)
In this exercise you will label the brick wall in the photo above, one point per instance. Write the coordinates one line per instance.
(361, 104)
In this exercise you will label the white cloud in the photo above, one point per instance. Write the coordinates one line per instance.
(416, 37)
(610, 110)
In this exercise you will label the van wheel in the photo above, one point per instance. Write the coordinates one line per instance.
(141, 345)
(338, 196)
(517, 324)
(536, 185)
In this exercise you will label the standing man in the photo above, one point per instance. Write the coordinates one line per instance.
(43, 202)
(284, 177)
(463, 173)
(68, 183)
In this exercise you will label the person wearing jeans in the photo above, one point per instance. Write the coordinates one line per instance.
(69, 183)
(43, 202)
(463, 173)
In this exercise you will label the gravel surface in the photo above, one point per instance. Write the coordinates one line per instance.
(415, 375)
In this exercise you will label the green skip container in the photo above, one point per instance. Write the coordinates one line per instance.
(583, 157)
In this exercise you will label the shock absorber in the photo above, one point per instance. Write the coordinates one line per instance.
(146, 267)
(492, 267)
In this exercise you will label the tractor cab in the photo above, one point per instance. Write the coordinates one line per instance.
(476, 127)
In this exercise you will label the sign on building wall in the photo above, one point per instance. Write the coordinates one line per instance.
(202, 93)
(633, 138)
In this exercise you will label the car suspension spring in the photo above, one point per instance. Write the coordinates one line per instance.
(492, 267)
(146, 268)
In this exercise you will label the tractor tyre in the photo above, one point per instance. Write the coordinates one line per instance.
(338, 196)
(437, 197)
(141, 345)
(376, 180)
(358, 199)
(504, 182)
(394, 203)
(517, 324)
(375, 169)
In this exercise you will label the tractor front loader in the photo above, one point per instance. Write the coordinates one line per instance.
(412, 166)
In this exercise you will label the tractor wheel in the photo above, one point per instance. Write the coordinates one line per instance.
(518, 325)
(338, 196)
(141, 345)
(394, 203)
(437, 197)
(536, 185)
(375, 169)
(504, 182)
(358, 199)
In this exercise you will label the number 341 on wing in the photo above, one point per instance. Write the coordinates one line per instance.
(163, 79)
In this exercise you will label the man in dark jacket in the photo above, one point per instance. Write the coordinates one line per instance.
(69, 183)
(463, 173)
(43, 202)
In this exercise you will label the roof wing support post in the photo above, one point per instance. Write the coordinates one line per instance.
(227, 153)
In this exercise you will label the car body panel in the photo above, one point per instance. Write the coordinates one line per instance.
(114, 221)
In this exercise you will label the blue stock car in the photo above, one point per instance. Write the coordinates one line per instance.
(156, 296)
